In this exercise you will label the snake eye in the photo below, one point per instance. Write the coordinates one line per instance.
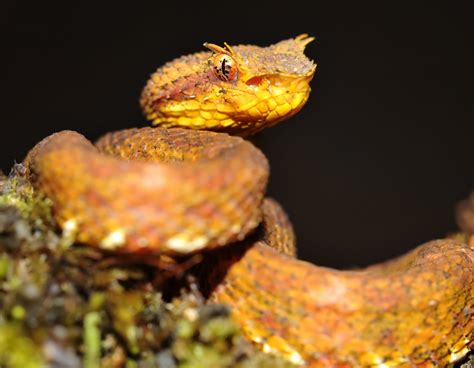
(224, 67)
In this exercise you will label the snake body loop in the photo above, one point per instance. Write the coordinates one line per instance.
(152, 190)
(174, 191)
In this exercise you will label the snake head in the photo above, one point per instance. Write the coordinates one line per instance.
(237, 89)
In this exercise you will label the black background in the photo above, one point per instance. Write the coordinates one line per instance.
(371, 167)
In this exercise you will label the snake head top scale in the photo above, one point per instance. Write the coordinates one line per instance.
(237, 89)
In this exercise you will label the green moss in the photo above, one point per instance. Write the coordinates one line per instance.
(73, 305)
(18, 193)
(92, 340)
(16, 349)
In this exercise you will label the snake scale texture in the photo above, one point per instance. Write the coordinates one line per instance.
(170, 190)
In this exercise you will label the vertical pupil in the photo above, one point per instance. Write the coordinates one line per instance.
(224, 69)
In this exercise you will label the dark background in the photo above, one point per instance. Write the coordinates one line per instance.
(371, 167)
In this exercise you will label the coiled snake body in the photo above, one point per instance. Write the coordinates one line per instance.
(170, 190)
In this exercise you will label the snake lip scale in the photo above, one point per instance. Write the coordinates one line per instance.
(192, 184)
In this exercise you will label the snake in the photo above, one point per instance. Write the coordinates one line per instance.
(193, 184)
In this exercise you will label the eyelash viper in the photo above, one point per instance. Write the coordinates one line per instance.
(169, 190)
